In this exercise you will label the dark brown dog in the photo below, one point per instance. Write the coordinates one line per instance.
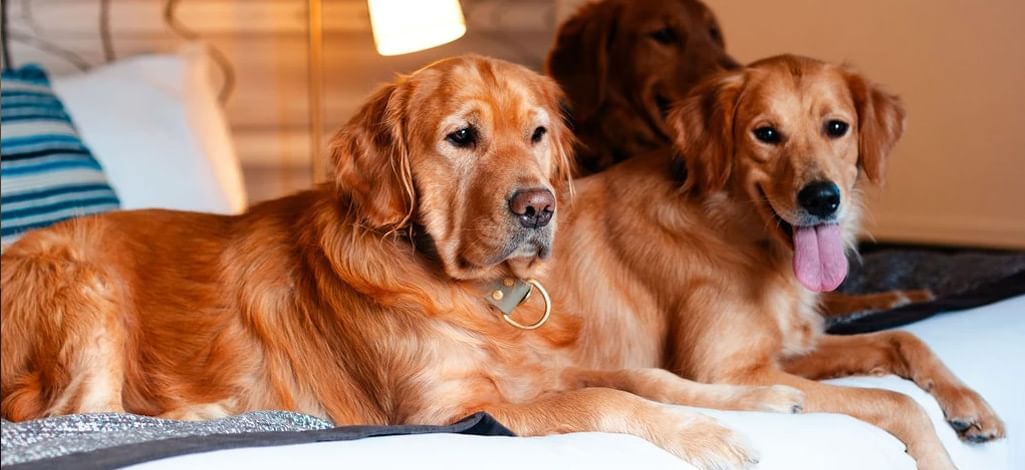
(622, 63)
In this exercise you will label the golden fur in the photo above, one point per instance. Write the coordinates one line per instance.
(695, 260)
(358, 301)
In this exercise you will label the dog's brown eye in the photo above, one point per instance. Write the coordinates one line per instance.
(665, 35)
(768, 135)
(465, 137)
(538, 134)
(836, 128)
(715, 34)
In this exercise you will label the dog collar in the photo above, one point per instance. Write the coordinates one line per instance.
(508, 293)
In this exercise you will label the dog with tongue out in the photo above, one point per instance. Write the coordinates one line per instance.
(710, 260)
(738, 238)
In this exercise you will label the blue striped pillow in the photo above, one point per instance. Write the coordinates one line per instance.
(46, 173)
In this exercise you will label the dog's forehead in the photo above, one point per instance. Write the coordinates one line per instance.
(650, 12)
(487, 88)
(698, 10)
(799, 91)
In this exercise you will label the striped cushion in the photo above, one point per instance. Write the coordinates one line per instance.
(47, 173)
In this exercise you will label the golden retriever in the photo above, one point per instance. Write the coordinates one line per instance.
(622, 62)
(363, 301)
(717, 256)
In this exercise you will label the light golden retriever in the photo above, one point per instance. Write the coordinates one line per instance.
(716, 257)
(363, 301)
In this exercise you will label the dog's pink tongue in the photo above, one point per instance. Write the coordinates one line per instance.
(819, 260)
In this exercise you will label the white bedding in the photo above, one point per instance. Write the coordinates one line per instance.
(984, 347)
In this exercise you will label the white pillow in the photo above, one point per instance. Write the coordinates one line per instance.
(154, 123)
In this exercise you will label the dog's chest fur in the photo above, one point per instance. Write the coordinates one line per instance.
(794, 311)
(722, 288)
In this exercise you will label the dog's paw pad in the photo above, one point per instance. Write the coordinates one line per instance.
(977, 431)
(976, 435)
(970, 415)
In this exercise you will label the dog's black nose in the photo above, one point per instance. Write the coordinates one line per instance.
(534, 207)
(728, 63)
(820, 198)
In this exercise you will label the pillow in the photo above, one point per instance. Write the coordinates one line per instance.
(46, 173)
(155, 124)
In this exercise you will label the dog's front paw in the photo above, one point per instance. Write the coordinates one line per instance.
(774, 398)
(706, 444)
(970, 415)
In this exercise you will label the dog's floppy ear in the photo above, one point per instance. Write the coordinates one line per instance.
(880, 124)
(579, 59)
(563, 162)
(371, 161)
(702, 128)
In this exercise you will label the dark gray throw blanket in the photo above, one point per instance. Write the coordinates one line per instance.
(960, 279)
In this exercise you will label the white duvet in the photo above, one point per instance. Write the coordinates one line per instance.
(985, 347)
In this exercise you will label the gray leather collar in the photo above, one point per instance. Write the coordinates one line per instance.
(507, 293)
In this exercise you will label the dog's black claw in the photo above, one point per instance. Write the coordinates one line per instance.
(796, 409)
(959, 425)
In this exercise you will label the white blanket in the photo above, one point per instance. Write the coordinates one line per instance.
(984, 347)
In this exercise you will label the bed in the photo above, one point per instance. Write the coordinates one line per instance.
(985, 347)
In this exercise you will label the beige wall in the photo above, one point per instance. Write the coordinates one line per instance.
(959, 174)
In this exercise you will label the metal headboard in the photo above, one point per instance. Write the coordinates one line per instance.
(4, 49)
(104, 29)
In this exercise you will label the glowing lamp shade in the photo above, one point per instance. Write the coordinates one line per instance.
(404, 26)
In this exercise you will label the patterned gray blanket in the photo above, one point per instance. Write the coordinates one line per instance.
(108, 440)
(63, 435)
